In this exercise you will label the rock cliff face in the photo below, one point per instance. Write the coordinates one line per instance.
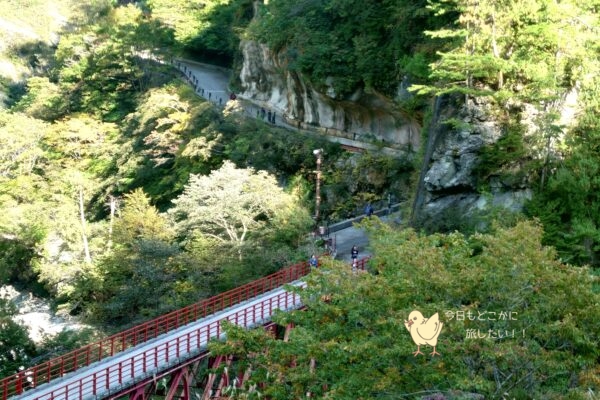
(363, 117)
(451, 196)
(448, 188)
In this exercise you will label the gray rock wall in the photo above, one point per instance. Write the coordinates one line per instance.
(369, 117)
(450, 184)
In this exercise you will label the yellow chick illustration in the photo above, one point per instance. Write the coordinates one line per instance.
(424, 330)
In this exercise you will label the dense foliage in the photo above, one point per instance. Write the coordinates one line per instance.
(517, 324)
(113, 171)
(208, 30)
(566, 200)
(108, 161)
(355, 43)
(16, 348)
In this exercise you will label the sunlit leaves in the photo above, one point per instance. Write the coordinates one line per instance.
(208, 28)
(20, 144)
(536, 47)
(44, 100)
(353, 333)
(347, 43)
(229, 205)
(139, 220)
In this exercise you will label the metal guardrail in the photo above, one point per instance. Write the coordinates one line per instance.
(108, 347)
(338, 226)
(114, 378)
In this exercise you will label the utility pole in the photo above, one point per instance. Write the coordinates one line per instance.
(319, 154)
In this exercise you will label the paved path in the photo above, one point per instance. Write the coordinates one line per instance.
(212, 83)
(345, 234)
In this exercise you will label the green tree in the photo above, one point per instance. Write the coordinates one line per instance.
(569, 208)
(103, 65)
(565, 201)
(20, 144)
(44, 100)
(22, 230)
(350, 342)
(346, 44)
(206, 29)
(16, 348)
(230, 205)
(143, 252)
(525, 47)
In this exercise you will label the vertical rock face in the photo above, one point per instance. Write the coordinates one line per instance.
(449, 194)
(452, 198)
(265, 78)
(450, 185)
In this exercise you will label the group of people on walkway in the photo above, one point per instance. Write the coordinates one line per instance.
(195, 83)
(262, 114)
(216, 97)
(313, 261)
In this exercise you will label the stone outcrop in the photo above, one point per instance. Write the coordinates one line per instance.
(36, 314)
(451, 196)
(368, 117)
(448, 186)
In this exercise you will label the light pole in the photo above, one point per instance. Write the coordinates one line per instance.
(319, 154)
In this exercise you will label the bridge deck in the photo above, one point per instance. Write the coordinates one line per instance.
(112, 374)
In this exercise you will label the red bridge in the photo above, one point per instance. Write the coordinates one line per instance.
(163, 355)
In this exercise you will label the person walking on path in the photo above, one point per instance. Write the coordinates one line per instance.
(369, 210)
(313, 262)
(354, 253)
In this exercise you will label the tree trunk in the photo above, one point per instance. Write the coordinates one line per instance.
(86, 247)
(496, 52)
(467, 72)
(113, 209)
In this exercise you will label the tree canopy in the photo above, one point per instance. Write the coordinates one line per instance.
(231, 204)
(357, 44)
(515, 323)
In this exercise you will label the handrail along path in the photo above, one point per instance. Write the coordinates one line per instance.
(112, 345)
(115, 363)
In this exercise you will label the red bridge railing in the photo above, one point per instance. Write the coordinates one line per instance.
(143, 364)
(57, 367)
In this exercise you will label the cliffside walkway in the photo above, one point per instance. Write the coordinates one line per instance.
(212, 83)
